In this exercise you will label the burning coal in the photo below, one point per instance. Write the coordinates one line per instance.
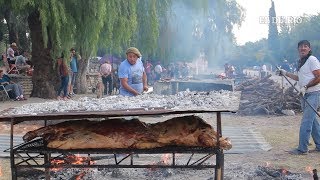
(70, 159)
(214, 100)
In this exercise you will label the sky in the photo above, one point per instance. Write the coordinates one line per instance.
(254, 26)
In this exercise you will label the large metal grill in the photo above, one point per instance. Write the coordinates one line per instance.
(35, 153)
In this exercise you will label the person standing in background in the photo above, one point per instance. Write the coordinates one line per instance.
(74, 58)
(158, 70)
(63, 72)
(263, 72)
(106, 75)
(148, 68)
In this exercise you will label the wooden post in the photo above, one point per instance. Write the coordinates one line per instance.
(219, 156)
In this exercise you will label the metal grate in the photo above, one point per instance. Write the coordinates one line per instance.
(38, 146)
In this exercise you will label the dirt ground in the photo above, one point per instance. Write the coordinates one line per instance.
(281, 132)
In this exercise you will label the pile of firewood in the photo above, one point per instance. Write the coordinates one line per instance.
(265, 96)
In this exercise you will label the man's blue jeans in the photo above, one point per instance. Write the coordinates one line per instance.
(309, 123)
(64, 86)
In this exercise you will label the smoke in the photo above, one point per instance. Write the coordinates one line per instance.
(198, 32)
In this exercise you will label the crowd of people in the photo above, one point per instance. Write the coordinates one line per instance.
(171, 71)
(132, 77)
(14, 61)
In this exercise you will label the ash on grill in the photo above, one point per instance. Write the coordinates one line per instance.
(186, 100)
(265, 96)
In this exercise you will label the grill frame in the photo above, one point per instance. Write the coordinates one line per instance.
(46, 153)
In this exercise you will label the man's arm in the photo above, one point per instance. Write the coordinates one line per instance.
(292, 76)
(125, 85)
(145, 81)
(315, 80)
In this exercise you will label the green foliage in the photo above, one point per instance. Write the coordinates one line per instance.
(120, 24)
(86, 23)
(148, 28)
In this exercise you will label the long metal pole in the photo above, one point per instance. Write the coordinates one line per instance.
(14, 174)
(301, 94)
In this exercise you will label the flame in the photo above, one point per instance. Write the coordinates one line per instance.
(71, 159)
(309, 169)
(56, 162)
(165, 158)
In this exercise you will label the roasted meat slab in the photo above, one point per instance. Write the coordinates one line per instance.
(120, 133)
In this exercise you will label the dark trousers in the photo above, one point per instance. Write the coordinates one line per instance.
(107, 82)
(64, 86)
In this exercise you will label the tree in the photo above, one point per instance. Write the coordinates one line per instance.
(273, 35)
(48, 23)
(57, 25)
(87, 28)
(148, 29)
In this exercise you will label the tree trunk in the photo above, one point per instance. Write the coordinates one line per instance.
(22, 34)
(44, 76)
(82, 78)
(12, 28)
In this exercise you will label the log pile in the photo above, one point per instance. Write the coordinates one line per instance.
(265, 96)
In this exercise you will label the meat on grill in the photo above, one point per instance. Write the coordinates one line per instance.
(189, 131)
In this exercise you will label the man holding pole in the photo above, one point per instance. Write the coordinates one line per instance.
(308, 78)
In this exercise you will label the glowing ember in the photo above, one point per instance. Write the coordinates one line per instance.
(80, 176)
(57, 162)
(165, 158)
(71, 159)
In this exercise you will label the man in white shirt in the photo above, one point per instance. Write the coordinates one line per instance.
(10, 53)
(308, 78)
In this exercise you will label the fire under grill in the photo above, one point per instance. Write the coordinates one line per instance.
(31, 151)
(35, 153)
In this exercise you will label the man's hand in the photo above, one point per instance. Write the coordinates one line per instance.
(145, 88)
(303, 90)
(281, 72)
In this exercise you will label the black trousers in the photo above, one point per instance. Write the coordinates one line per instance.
(107, 82)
